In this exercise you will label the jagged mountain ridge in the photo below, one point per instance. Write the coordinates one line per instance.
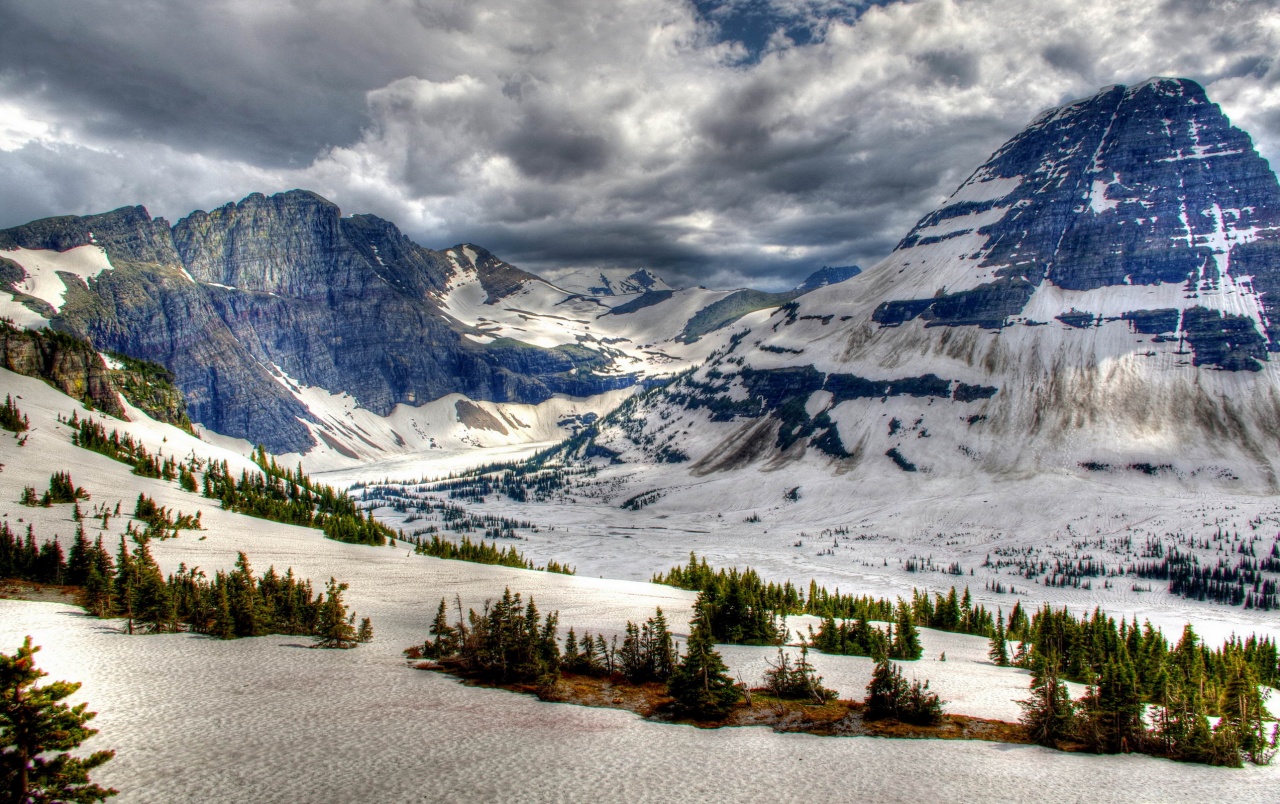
(1098, 298)
(281, 319)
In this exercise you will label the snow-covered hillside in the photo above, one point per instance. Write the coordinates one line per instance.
(199, 719)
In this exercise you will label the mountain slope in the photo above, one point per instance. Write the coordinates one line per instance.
(1097, 298)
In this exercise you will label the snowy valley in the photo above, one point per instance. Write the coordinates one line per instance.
(1057, 390)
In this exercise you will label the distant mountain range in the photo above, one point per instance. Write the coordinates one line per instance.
(286, 324)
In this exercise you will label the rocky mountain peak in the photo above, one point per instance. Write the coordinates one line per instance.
(1147, 185)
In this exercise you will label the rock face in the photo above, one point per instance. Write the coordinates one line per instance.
(1141, 186)
(1100, 296)
(70, 365)
(241, 302)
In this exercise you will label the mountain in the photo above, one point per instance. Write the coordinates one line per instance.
(828, 275)
(610, 282)
(1099, 299)
(287, 324)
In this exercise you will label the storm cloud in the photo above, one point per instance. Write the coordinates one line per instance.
(720, 143)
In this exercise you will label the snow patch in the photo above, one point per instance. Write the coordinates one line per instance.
(43, 265)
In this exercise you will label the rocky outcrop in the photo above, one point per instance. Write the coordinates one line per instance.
(67, 363)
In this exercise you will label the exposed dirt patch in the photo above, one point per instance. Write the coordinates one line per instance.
(833, 719)
(42, 592)
(478, 418)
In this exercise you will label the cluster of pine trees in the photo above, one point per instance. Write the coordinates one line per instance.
(1127, 669)
(160, 522)
(745, 611)
(511, 642)
(231, 604)
(12, 419)
(24, 560)
(91, 435)
(508, 641)
(796, 680)
(482, 553)
(61, 490)
(289, 496)
(860, 638)
(890, 696)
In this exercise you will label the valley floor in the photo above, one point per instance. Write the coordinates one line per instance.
(267, 719)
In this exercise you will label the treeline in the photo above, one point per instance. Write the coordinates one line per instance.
(858, 637)
(91, 435)
(275, 493)
(482, 553)
(746, 609)
(229, 605)
(1081, 646)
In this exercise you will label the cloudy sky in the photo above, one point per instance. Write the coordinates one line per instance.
(720, 142)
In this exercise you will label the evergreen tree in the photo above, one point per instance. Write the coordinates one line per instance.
(1111, 711)
(153, 604)
(335, 629)
(885, 691)
(1048, 714)
(37, 732)
(444, 642)
(796, 682)
(1243, 712)
(701, 685)
(906, 640)
(364, 634)
(999, 653)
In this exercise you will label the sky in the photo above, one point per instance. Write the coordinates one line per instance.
(717, 142)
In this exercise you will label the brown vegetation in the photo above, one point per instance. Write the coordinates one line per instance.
(834, 718)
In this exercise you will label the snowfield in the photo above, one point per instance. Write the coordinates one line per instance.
(265, 719)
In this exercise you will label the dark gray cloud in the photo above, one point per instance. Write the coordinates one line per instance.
(723, 142)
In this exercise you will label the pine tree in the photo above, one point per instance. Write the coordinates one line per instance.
(906, 640)
(796, 682)
(37, 732)
(1048, 714)
(885, 691)
(334, 629)
(1243, 711)
(153, 604)
(364, 634)
(125, 586)
(445, 641)
(701, 685)
(1111, 711)
(999, 653)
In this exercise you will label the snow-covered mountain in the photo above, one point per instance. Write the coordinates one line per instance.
(1101, 298)
(339, 339)
(609, 281)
